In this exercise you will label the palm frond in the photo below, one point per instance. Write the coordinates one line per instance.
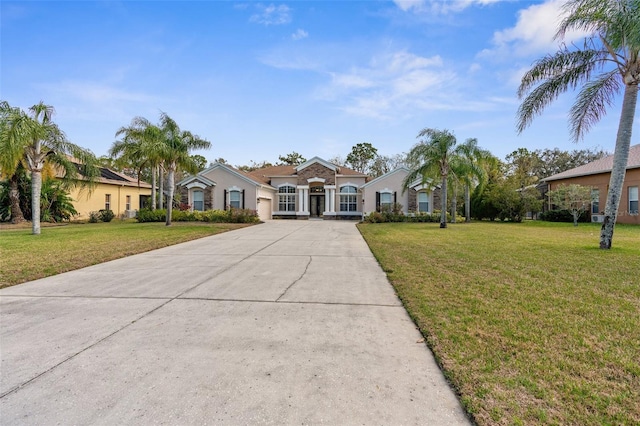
(592, 102)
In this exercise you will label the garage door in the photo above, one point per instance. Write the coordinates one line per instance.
(264, 208)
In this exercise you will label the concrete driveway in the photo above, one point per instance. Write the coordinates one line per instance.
(287, 322)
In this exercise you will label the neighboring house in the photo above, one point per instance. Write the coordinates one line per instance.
(314, 189)
(113, 191)
(596, 175)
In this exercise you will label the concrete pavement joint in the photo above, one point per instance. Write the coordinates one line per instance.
(168, 300)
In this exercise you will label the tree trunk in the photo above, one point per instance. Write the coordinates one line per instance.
(454, 203)
(620, 158)
(154, 186)
(170, 179)
(14, 197)
(443, 206)
(36, 187)
(161, 195)
(467, 203)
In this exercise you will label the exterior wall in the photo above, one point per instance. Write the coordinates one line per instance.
(358, 182)
(85, 202)
(393, 182)
(601, 182)
(316, 170)
(224, 181)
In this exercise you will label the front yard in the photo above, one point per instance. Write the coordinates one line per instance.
(531, 322)
(25, 257)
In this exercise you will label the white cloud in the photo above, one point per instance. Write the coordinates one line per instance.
(390, 86)
(271, 14)
(439, 6)
(533, 32)
(299, 34)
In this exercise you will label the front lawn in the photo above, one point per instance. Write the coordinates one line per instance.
(531, 323)
(25, 257)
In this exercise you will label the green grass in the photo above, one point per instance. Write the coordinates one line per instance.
(531, 323)
(25, 257)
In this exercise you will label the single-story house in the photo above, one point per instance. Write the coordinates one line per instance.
(113, 191)
(597, 175)
(314, 189)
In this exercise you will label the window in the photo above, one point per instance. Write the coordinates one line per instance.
(107, 201)
(633, 200)
(198, 201)
(234, 199)
(423, 202)
(595, 201)
(386, 200)
(127, 202)
(348, 198)
(287, 199)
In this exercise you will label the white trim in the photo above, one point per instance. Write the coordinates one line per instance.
(234, 188)
(316, 160)
(357, 187)
(197, 185)
(386, 191)
(316, 180)
(286, 184)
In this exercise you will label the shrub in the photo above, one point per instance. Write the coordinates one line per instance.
(106, 215)
(562, 216)
(213, 216)
(94, 217)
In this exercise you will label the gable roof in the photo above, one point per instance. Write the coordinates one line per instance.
(314, 160)
(232, 170)
(386, 175)
(603, 165)
(266, 173)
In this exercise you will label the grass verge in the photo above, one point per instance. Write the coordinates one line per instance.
(531, 323)
(25, 257)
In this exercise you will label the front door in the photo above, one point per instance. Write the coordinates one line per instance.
(317, 205)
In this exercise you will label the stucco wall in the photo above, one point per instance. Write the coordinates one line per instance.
(225, 180)
(601, 182)
(85, 202)
(393, 182)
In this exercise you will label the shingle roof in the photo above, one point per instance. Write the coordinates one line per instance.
(603, 165)
(265, 174)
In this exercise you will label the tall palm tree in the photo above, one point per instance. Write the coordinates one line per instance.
(10, 160)
(34, 140)
(175, 152)
(431, 159)
(467, 165)
(607, 61)
(140, 146)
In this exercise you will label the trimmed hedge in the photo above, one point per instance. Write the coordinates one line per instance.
(389, 216)
(213, 216)
(563, 216)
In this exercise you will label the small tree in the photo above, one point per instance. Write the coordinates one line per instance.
(361, 157)
(293, 159)
(575, 198)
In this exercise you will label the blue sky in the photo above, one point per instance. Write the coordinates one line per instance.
(263, 79)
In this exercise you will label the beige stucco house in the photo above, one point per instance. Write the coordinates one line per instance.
(597, 175)
(314, 189)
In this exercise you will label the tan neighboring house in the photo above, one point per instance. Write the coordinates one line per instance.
(113, 191)
(314, 189)
(596, 175)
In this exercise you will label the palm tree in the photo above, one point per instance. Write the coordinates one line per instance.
(431, 159)
(467, 167)
(35, 140)
(175, 152)
(140, 146)
(608, 60)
